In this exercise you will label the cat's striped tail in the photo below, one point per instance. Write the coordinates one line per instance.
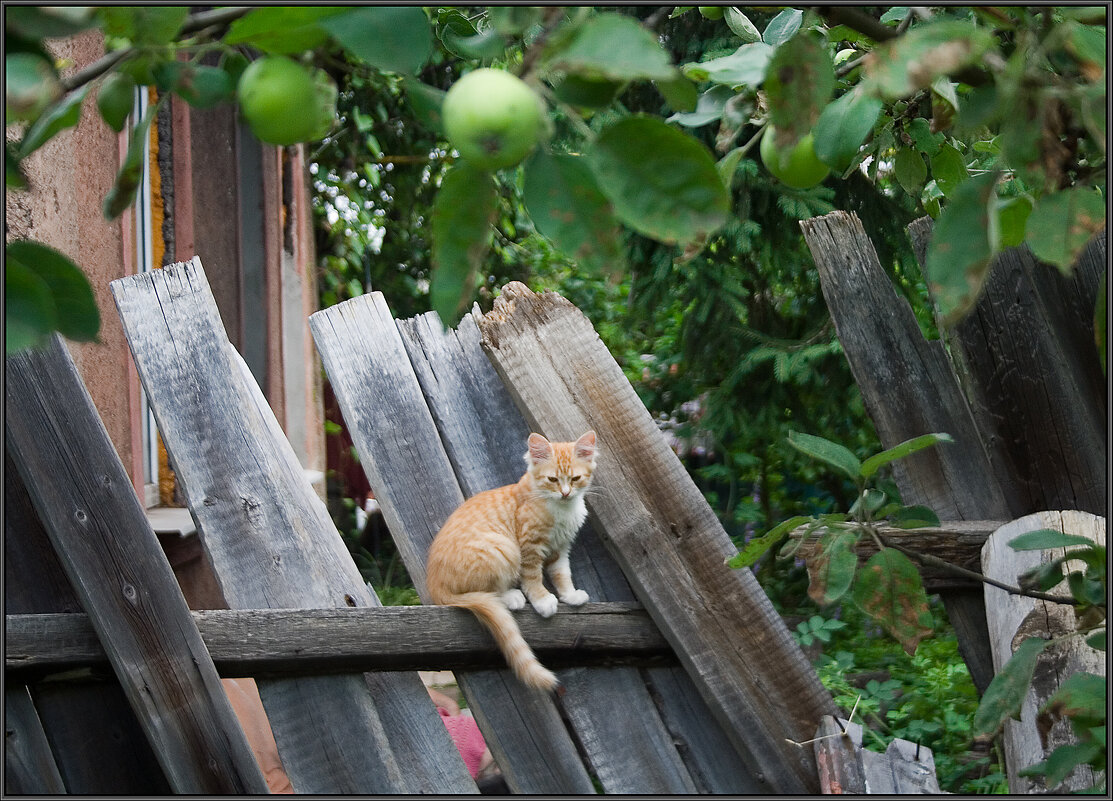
(497, 618)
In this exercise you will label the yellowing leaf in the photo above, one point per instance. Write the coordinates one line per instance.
(889, 589)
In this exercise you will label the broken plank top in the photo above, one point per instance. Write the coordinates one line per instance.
(738, 651)
(272, 544)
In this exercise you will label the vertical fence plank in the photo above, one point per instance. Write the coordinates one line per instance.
(909, 388)
(113, 560)
(658, 526)
(1027, 354)
(272, 544)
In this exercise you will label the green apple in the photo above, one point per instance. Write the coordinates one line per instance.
(493, 118)
(798, 167)
(711, 12)
(285, 103)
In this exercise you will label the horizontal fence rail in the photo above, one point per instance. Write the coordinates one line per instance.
(288, 642)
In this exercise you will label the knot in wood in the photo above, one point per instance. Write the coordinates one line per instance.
(80, 516)
(130, 593)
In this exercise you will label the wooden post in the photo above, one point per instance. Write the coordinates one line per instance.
(909, 389)
(1030, 369)
(29, 766)
(668, 541)
(118, 570)
(272, 544)
(1013, 618)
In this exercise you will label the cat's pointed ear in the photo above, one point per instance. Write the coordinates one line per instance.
(539, 449)
(585, 446)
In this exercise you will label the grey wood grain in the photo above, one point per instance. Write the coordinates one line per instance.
(113, 561)
(1014, 618)
(29, 766)
(838, 755)
(912, 767)
(909, 388)
(412, 478)
(1032, 375)
(99, 747)
(658, 526)
(262, 642)
(271, 542)
(484, 435)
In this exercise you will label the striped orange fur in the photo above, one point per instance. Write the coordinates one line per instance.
(501, 539)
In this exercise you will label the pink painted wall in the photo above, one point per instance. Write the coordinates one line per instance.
(67, 178)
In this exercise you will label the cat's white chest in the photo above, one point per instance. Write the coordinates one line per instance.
(568, 517)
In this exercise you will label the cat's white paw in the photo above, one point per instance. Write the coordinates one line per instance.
(514, 599)
(575, 598)
(546, 605)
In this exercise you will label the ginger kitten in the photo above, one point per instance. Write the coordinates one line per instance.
(502, 537)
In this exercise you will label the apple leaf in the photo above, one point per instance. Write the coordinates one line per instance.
(463, 213)
(798, 83)
(115, 100)
(1012, 219)
(746, 66)
(61, 115)
(144, 25)
(1046, 538)
(889, 590)
(910, 170)
(838, 456)
(612, 46)
(282, 30)
(123, 190)
(1006, 693)
(391, 38)
(709, 107)
(958, 256)
(566, 205)
(72, 308)
(906, 448)
(29, 312)
(831, 571)
(925, 52)
(948, 168)
(740, 24)
(753, 549)
(783, 27)
(1062, 223)
(843, 126)
(662, 182)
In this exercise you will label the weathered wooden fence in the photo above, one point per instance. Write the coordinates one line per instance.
(681, 678)
(1019, 386)
(1021, 391)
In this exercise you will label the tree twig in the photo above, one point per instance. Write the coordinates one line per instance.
(192, 24)
(553, 17)
(942, 564)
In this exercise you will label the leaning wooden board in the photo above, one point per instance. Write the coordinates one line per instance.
(406, 464)
(484, 435)
(117, 569)
(272, 545)
(98, 745)
(659, 528)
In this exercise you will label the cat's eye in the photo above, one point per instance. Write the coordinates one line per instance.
(576, 478)
(553, 479)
